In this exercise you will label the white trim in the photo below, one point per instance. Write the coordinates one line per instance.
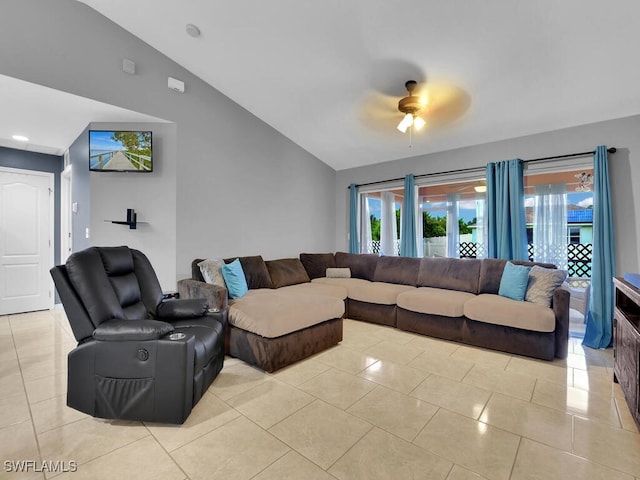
(558, 165)
(52, 193)
(66, 215)
(451, 177)
(382, 187)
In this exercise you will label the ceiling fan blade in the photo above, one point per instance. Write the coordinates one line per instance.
(445, 103)
(379, 112)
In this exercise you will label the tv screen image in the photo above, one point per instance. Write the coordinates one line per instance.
(120, 151)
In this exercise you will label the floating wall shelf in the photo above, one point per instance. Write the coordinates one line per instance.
(131, 220)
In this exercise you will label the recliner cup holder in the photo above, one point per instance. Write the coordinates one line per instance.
(177, 336)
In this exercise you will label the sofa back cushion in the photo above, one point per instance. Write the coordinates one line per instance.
(196, 273)
(459, 274)
(255, 271)
(286, 271)
(399, 270)
(362, 265)
(316, 264)
(491, 273)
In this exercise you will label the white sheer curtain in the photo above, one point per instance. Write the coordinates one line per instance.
(366, 242)
(453, 227)
(419, 226)
(388, 226)
(550, 225)
(481, 229)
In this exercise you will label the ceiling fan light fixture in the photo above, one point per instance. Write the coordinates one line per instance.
(411, 106)
(418, 123)
(405, 123)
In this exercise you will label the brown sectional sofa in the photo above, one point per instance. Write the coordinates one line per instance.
(293, 310)
(282, 319)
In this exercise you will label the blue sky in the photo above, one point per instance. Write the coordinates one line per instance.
(102, 141)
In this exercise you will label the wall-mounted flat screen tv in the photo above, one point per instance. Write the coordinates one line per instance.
(120, 151)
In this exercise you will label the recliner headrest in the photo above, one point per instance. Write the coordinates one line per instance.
(117, 260)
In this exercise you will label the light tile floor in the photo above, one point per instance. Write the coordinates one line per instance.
(382, 404)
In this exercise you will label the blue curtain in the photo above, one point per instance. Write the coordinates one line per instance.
(599, 329)
(354, 241)
(408, 236)
(506, 223)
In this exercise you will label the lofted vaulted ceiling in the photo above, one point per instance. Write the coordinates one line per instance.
(320, 72)
(328, 74)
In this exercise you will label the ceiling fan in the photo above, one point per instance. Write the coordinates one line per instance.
(425, 105)
(411, 106)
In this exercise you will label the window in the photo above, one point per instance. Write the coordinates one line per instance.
(451, 216)
(574, 235)
(559, 212)
(380, 221)
(452, 219)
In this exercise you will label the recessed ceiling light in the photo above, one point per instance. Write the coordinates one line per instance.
(20, 138)
(192, 30)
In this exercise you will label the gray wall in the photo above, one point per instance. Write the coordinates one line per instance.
(241, 188)
(41, 162)
(80, 191)
(151, 195)
(624, 169)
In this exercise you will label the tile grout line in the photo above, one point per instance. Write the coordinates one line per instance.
(515, 458)
(24, 388)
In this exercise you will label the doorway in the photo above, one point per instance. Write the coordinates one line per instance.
(66, 214)
(26, 240)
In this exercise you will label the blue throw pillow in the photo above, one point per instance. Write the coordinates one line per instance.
(513, 283)
(235, 279)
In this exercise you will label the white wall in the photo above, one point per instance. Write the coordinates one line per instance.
(151, 195)
(240, 187)
(624, 171)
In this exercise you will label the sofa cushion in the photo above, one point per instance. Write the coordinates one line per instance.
(450, 273)
(513, 283)
(286, 271)
(490, 308)
(491, 272)
(362, 265)
(338, 272)
(542, 283)
(400, 270)
(196, 274)
(315, 288)
(316, 264)
(255, 271)
(435, 301)
(346, 283)
(235, 279)
(211, 270)
(377, 292)
(271, 314)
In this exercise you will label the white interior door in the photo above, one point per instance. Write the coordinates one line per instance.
(26, 234)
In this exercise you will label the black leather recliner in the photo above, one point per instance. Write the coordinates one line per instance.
(139, 357)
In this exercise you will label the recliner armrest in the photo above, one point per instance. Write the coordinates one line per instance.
(124, 330)
(182, 308)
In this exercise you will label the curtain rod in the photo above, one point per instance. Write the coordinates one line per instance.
(471, 169)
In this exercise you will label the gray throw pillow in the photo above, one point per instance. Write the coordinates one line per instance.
(542, 284)
(211, 270)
